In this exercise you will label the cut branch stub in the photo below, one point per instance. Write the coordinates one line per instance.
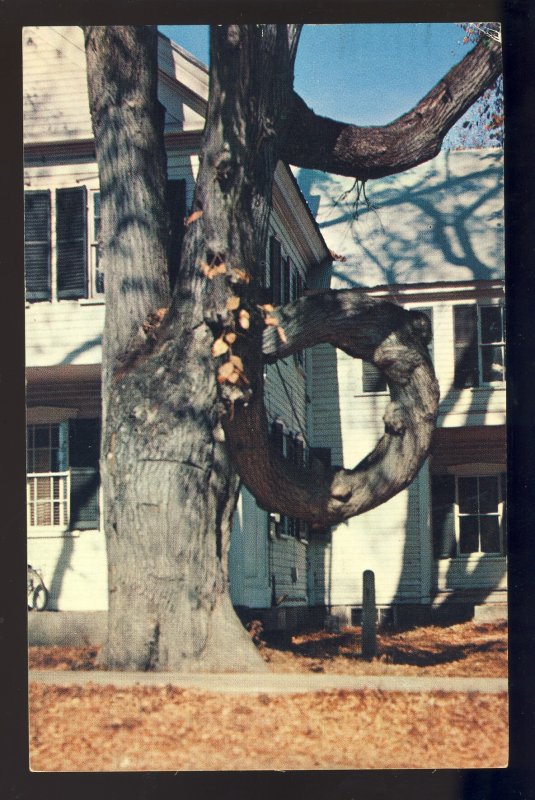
(393, 339)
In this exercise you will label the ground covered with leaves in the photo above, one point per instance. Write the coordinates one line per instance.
(469, 649)
(140, 728)
(95, 728)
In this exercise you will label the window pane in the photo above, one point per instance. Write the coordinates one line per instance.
(488, 495)
(490, 534)
(41, 461)
(468, 495)
(373, 379)
(468, 535)
(491, 324)
(492, 363)
(42, 436)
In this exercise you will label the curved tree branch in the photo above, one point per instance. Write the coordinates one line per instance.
(395, 341)
(321, 143)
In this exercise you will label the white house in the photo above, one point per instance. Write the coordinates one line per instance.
(430, 238)
(65, 315)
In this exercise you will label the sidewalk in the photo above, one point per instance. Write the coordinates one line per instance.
(270, 683)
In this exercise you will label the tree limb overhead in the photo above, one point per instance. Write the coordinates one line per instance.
(316, 142)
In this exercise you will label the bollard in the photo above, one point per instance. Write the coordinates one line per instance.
(369, 615)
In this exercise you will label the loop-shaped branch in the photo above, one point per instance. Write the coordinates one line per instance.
(395, 340)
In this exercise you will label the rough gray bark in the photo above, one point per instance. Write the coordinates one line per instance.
(170, 488)
(394, 340)
(321, 143)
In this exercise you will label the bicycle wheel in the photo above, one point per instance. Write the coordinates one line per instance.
(40, 598)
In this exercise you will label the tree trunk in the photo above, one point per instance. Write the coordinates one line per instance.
(170, 488)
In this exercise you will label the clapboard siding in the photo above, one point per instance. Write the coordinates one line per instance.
(55, 97)
(74, 569)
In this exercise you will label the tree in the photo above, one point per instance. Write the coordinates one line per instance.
(183, 414)
(483, 124)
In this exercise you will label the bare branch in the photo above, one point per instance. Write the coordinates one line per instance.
(395, 341)
(316, 142)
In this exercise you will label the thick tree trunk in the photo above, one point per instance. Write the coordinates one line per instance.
(170, 488)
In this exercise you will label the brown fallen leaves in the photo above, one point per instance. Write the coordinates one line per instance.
(468, 650)
(94, 728)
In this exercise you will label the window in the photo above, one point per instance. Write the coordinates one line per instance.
(56, 224)
(62, 241)
(96, 256)
(468, 514)
(47, 483)
(63, 474)
(373, 379)
(491, 344)
(479, 345)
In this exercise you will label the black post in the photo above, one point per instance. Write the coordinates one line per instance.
(369, 613)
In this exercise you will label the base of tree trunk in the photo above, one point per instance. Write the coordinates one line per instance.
(227, 648)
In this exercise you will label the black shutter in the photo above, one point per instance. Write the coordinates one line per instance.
(275, 270)
(299, 286)
(277, 437)
(84, 450)
(287, 280)
(373, 379)
(299, 452)
(176, 209)
(465, 332)
(443, 515)
(321, 454)
(71, 242)
(37, 245)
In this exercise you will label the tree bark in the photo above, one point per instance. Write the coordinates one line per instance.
(394, 340)
(316, 142)
(170, 488)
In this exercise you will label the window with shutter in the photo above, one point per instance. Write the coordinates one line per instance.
(443, 515)
(275, 270)
(84, 450)
(465, 337)
(71, 243)
(373, 379)
(37, 245)
(176, 208)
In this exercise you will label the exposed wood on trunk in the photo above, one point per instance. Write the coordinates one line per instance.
(316, 142)
(395, 341)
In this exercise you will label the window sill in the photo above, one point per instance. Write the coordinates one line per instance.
(466, 557)
(91, 301)
(52, 533)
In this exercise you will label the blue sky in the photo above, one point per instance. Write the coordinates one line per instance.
(363, 74)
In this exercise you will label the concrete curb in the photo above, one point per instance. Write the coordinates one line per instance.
(270, 683)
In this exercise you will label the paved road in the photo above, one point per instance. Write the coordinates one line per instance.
(271, 683)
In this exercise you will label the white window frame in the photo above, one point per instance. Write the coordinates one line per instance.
(62, 476)
(479, 471)
(92, 295)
